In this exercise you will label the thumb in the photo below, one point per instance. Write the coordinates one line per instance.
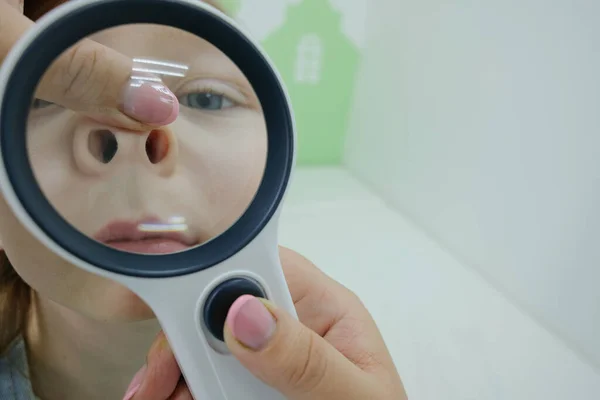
(288, 356)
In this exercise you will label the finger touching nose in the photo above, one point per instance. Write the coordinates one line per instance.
(101, 149)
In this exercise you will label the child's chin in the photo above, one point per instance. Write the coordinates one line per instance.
(125, 306)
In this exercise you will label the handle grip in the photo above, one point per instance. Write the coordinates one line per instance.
(208, 373)
(211, 372)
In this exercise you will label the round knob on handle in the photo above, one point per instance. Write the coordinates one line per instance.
(222, 298)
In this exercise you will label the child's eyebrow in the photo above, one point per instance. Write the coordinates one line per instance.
(181, 55)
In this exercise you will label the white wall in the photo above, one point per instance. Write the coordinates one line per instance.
(481, 121)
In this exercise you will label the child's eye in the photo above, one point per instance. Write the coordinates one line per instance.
(206, 101)
(39, 104)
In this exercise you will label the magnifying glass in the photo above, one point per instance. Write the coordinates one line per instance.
(184, 215)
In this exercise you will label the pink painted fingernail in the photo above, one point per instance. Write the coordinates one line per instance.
(135, 384)
(150, 102)
(250, 322)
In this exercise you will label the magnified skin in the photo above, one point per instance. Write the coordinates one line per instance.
(162, 190)
(193, 178)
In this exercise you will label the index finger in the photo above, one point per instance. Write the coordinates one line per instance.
(162, 374)
(95, 80)
(17, 4)
(319, 300)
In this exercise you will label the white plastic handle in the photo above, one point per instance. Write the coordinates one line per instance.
(178, 303)
(209, 374)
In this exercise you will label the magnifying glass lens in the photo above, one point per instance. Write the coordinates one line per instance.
(160, 188)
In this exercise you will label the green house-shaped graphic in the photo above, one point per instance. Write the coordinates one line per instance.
(318, 64)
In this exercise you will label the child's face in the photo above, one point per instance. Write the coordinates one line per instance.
(200, 172)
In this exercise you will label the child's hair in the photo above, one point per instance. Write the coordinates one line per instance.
(15, 300)
(15, 294)
(34, 9)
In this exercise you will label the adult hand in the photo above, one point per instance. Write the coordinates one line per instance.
(335, 352)
(93, 79)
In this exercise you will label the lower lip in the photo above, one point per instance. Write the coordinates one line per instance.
(149, 246)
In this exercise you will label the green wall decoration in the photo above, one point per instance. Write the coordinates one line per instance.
(318, 62)
(231, 6)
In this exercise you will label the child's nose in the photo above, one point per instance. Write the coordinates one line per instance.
(99, 148)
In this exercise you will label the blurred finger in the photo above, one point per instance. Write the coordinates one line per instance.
(181, 392)
(162, 373)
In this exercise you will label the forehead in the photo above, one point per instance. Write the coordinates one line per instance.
(168, 45)
(156, 40)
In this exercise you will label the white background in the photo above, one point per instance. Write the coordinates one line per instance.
(453, 336)
(480, 121)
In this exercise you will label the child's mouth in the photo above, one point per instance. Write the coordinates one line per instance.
(149, 246)
(149, 236)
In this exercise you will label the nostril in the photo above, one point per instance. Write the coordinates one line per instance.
(103, 145)
(157, 146)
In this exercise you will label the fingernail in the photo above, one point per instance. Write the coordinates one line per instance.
(150, 102)
(250, 322)
(135, 384)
